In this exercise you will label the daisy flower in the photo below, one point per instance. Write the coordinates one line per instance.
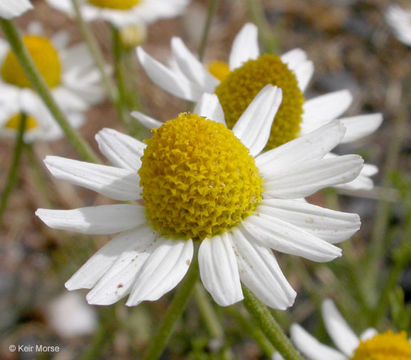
(370, 344)
(203, 183)
(400, 21)
(124, 12)
(11, 8)
(247, 72)
(68, 71)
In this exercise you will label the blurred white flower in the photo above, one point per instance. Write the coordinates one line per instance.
(70, 316)
(68, 71)
(11, 8)
(400, 21)
(124, 12)
(246, 73)
(203, 182)
(370, 344)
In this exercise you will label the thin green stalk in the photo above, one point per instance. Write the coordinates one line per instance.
(269, 40)
(269, 326)
(210, 317)
(377, 246)
(11, 33)
(173, 313)
(204, 38)
(133, 127)
(251, 329)
(12, 176)
(95, 53)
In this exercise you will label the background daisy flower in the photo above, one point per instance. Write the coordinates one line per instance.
(69, 72)
(370, 344)
(400, 21)
(12, 8)
(247, 71)
(124, 12)
(203, 183)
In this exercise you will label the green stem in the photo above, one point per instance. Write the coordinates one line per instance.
(204, 38)
(31, 71)
(269, 40)
(173, 313)
(269, 326)
(12, 176)
(210, 317)
(377, 246)
(250, 328)
(95, 52)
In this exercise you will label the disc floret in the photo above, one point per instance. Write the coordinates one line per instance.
(240, 87)
(198, 179)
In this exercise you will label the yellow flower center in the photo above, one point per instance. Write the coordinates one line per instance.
(115, 4)
(386, 346)
(198, 179)
(219, 69)
(45, 57)
(240, 87)
(14, 122)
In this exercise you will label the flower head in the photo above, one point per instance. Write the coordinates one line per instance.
(12, 8)
(122, 13)
(69, 73)
(237, 82)
(370, 345)
(204, 183)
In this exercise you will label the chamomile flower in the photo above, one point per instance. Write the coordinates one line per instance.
(124, 12)
(237, 82)
(12, 8)
(370, 345)
(69, 72)
(203, 183)
(400, 21)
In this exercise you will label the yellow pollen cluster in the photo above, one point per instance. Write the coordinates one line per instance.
(386, 346)
(114, 4)
(240, 87)
(45, 57)
(14, 122)
(198, 179)
(219, 69)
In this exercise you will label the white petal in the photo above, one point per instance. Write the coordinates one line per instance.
(254, 125)
(162, 271)
(209, 106)
(119, 279)
(122, 150)
(191, 67)
(115, 183)
(245, 46)
(338, 329)
(287, 238)
(360, 126)
(303, 72)
(167, 79)
(322, 109)
(293, 58)
(329, 225)
(301, 180)
(260, 272)
(145, 120)
(97, 220)
(95, 267)
(310, 347)
(368, 334)
(12, 8)
(311, 146)
(219, 271)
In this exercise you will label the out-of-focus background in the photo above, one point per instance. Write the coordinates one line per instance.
(352, 48)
